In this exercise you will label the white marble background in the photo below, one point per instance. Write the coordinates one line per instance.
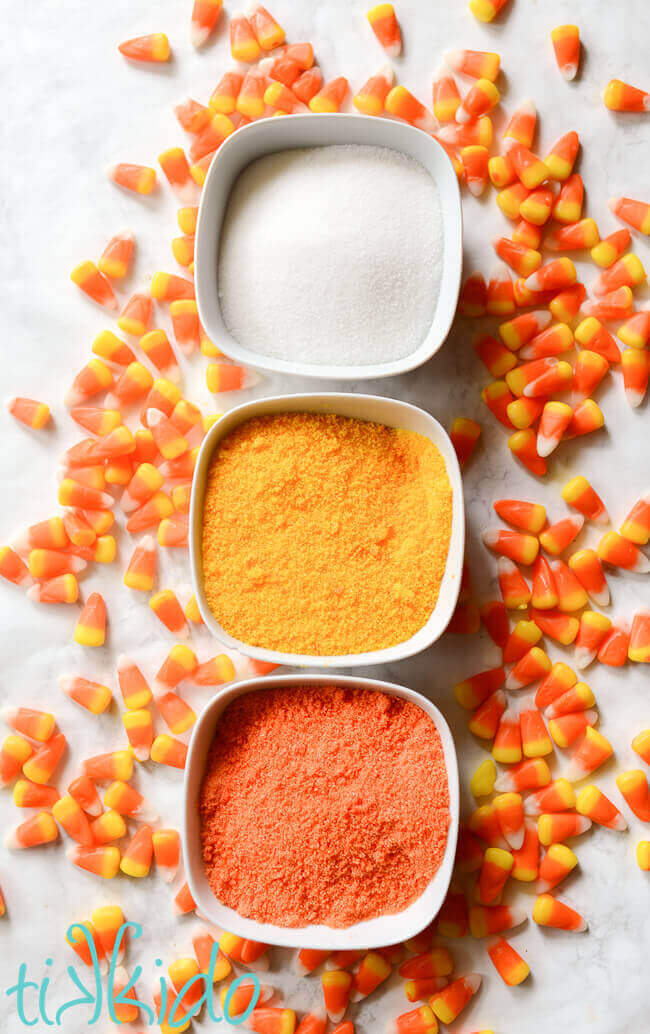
(71, 106)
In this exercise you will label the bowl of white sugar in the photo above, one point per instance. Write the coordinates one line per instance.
(329, 246)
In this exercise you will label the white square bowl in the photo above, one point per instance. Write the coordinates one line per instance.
(279, 134)
(371, 933)
(392, 413)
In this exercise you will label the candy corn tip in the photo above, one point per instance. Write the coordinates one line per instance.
(153, 417)
(474, 981)
(583, 657)
(11, 841)
(462, 116)
(543, 886)
(199, 35)
(146, 813)
(123, 661)
(452, 57)
(388, 73)
(545, 446)
(20, 542)
(569, 71)
(634, 397)
(613, 203)
(516, 839)
(336, 1017)
(33, 593)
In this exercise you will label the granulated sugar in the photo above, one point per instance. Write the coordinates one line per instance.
(332, 255)
(323, 804)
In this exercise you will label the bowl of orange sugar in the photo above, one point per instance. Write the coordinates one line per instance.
(327, 529)
(320, 811)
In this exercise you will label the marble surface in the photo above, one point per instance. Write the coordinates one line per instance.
(73, 106)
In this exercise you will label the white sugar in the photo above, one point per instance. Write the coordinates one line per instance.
(331, 255)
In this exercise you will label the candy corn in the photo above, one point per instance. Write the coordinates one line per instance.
(475, 690)
(100, 861)
(34, 832)
(85, 794)
(593, 803)
(561, 158)
(478, 64)
(554, 797)
(614, 647)
(510, 966)
(62, 589)
(500, 297)
(633, 786)
(152, 48)
(523, 445)
(610, 248)
(384, 24)
(526, 858)
(29, 412)
(337, 985)
(579, 494)
(229, 377)
(616, 305)
(94, 284)
(31, 795)
(448, 1003)
(168, 610)
(554, 867)
(92, 696)
(473, 296)
(481, 98)
(635, 213)
(165, 750)
(117, 764)
(69, 814)
(548, 911)
(567, 728)
(146, 481)
(523, 637)
(592, 751)
(205, 14)
(627, 271)
(486, 10)
(506, 748)
(532, 666)
(636, 372)
(510, 816)
(12, 567)
(139, 179)
(566, 47)
(639, 647)
(617, 551)
(556, 827)
(400, 103)
(166, 849)
(177, 172)
(91, 626)
(635, 332)
(565, 305)
(620, 96)
(42, 763)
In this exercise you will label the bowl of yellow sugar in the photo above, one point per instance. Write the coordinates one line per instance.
(327, 529)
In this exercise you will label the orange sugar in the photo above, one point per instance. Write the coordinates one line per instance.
(323, 804)
(324, 534)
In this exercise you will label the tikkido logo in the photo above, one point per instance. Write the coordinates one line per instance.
(171, 1012)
